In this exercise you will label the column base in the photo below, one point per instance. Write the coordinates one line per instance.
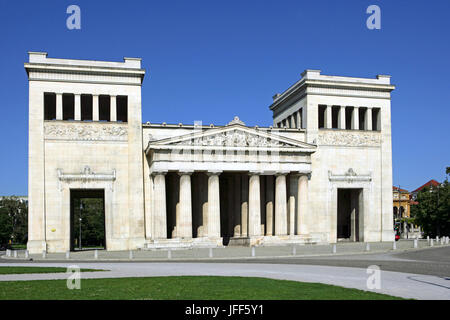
(55, 246)
(136, 243)
(388, 235)
(36, 246)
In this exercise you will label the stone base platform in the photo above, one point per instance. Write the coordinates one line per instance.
(204, 242)
(279, 240)
(179, 243)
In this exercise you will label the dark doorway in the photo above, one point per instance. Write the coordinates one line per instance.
(87, 218)
(349, 215)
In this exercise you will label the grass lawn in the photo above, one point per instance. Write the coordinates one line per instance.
(183, 288)
(18, 246)
(20, 270)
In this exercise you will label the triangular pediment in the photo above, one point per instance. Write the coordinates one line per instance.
(233, 136)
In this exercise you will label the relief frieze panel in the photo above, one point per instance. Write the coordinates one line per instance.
(85, 132)
(346, 138)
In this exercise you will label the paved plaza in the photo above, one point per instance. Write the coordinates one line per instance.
(418, 273)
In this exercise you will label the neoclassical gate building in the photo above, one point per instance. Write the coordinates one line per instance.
(322, 173)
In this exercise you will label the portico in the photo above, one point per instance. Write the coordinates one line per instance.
(253, 183)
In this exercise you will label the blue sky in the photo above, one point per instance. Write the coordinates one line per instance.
(212, 60)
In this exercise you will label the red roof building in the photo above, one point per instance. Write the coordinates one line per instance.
(432, 183)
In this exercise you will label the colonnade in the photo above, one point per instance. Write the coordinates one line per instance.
(286, 215)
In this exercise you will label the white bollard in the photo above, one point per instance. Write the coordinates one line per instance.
(415, 243)
(367, 246)
(27, 254)
(44, 254)
(394, 245)
(446, 240)
(253, 251)
(333, 248)
(96, 254)
(294, 250)
(15, 253)
(169, 254)
(210, 252)
(437, 239)
(8, 253)
(431, 242)
(428, 240)
(442, 241)
(67, 254)
(130, 255)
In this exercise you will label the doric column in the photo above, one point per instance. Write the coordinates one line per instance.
(113, 109)
(269, 205)
(328, 116)
(237, 205)
(292, 201)
(368, 120)
(353, 216)
(95, 111)
(213, 205)
(254, 204)
(299, 119)
(59, 107)
(302, 208)
(77, 107)
(280, 205)
(355, 118)
(304, 117)
(244, 205)
(184, 218)
(159, 212)
(342, 117)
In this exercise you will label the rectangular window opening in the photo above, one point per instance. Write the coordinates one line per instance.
(122, 108)
(49, 106)
(68, 106)
(86, 107)
(348, 117)
(335, 117)
(362, 118)
(104, 108)
(376, 119)
(322, 110)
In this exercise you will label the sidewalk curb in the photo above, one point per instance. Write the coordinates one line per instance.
(206, 259)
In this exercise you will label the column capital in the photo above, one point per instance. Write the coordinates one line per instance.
(158, 172)
(185, 172)
(255, 173)
(301, 174)
(214, 172)
(281, 173)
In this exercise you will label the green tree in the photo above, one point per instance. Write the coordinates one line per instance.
(17, 212)
(92, 223)
(5, 226)
(432, 212)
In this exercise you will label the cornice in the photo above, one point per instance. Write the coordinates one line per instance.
(304, 84)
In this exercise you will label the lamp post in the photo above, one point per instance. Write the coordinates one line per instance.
(81, 209)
